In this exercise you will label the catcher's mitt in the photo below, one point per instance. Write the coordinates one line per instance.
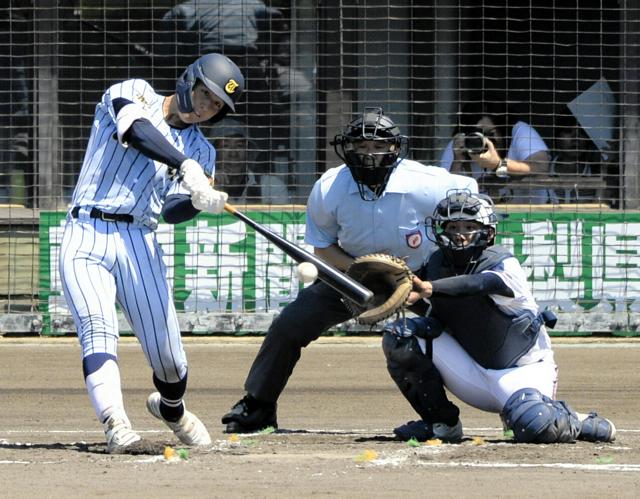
(390, 280)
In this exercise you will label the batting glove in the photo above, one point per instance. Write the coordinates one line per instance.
(209, 200)
(193, 177)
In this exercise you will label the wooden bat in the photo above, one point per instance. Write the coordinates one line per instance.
(338, 280)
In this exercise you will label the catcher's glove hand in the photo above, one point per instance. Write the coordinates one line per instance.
(390, 280)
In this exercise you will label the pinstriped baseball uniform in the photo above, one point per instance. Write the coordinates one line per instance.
(102, 262)
(116, 179)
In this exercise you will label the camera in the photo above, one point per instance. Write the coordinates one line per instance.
(475, 143)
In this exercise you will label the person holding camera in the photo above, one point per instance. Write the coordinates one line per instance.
(236, 172)
(498, 149)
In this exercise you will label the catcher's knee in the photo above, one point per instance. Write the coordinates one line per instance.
(404, 354)
(171, 390)
(535, 418)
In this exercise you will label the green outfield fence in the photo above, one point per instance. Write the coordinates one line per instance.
(229, 279)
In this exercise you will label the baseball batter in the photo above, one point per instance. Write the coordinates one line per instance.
(485, 339)
(374, 203)
(144, 148)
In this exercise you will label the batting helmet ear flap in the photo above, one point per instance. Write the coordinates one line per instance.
(184, 86)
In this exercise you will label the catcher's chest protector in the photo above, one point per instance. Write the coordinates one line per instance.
(492, 338)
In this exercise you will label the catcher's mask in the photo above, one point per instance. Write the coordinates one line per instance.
(219, 74)
(371, 146)
(463, 205)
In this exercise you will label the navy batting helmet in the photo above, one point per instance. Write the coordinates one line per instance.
(219, 74)
(371, 169)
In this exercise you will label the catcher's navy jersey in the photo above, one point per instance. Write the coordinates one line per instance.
(119, 179)
(393, 224)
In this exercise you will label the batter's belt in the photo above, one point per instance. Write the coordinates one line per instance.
(107, 217)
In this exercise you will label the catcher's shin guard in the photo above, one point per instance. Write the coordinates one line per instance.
(535, 418)
(418, 379)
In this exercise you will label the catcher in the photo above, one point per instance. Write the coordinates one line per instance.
(503, 363)
(371, 204)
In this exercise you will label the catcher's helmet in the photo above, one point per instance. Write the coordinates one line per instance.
(219, 74)
(464, 205)
(371, 169)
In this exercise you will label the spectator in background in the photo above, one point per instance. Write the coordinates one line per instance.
(235, 172)
(291, 93)
(291, 84)
(574, 154)
(243, 30)
(14, 119)
(235, 27)
(513, 150)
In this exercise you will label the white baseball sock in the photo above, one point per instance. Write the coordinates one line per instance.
(105, 391)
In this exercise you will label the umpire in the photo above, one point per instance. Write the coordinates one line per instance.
(371, 204)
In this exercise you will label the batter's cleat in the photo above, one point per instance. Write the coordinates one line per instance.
(596, 428)
(422, 431)
(119, 434)
(189, 429)
(249, 415)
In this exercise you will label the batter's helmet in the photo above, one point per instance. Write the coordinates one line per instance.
(462, 204)
(219, 74)
(371, 169)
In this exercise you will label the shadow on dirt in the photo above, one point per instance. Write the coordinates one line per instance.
(142, 447)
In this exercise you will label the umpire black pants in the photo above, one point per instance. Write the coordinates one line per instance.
(316, 309)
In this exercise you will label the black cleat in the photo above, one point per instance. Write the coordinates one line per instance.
(419, 430)
(249, 415)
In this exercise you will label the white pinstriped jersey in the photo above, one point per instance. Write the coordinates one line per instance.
(118, 179)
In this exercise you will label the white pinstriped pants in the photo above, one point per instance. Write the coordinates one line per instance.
(102, 263)
(489, 389)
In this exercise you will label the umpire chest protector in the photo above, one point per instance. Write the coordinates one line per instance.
(495, 340)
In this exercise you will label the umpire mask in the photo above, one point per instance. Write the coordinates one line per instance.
(371, 146)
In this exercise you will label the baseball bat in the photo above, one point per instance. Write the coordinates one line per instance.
(338, 280)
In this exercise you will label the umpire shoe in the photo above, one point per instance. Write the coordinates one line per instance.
(119, 434)
(423, 431)
(596, 428)
(189, 429)
(249, 415)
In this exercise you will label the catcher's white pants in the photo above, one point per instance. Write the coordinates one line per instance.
(488, 389)
(102, 263)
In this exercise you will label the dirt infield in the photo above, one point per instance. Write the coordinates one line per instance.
(336, 417)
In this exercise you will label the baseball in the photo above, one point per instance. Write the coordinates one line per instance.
(307, 272)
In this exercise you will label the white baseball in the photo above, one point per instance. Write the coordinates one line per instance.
(307, 272)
